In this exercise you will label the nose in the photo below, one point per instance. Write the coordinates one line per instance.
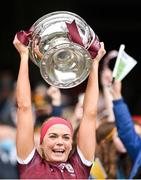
(59, 141)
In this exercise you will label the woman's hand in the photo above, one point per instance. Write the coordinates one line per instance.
(101, 53)
(22, 49)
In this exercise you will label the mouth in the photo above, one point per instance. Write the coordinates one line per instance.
(58, 151)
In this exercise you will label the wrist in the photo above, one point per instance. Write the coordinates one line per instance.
(24, 56)
(56, 102)
(95, 62)
(117, 96)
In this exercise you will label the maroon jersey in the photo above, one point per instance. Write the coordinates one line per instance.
(39, 168)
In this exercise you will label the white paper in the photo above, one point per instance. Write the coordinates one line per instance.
(124, 64)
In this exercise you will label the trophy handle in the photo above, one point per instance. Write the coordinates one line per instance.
(24, 37)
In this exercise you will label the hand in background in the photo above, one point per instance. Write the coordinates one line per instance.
(116, 89)
(106, 82)
(55, 95)
(106, 77)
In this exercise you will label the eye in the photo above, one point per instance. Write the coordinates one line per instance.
(52, 136)
(66, 137)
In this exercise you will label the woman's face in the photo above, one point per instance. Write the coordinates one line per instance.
(57, 143)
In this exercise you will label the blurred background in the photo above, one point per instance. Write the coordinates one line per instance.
(114, 21)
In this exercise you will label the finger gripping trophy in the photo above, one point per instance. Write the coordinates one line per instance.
(62, 45)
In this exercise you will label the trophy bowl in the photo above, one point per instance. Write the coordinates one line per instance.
(59, 47)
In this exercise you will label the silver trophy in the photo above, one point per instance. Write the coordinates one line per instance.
(63, 45)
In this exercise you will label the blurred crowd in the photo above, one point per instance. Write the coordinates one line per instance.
(48, 101)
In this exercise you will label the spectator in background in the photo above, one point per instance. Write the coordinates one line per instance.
(126, 129)
(8, 162)
(112, 152)
(105, 83)
(7, 99)
(47, 101)
(115, 167)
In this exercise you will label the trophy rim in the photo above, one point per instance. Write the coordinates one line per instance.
(51, 14)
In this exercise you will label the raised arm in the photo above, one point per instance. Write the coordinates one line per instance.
(106, 80)
(86, 133)
(25, 123)
(56, 97)
(124, 122)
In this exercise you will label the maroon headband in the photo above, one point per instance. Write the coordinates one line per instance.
(52, 121)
